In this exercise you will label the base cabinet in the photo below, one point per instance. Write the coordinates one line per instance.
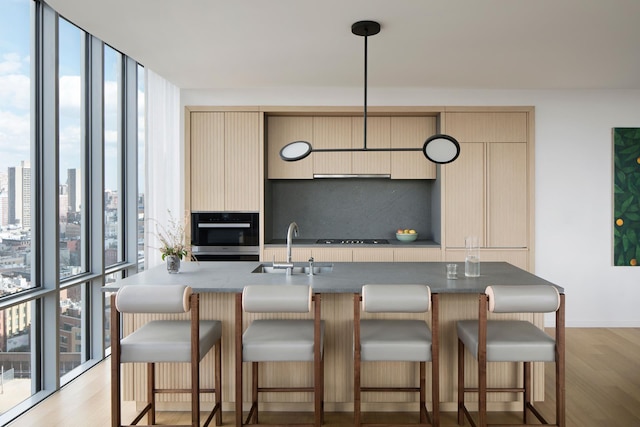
(517, 257)
(341, 254)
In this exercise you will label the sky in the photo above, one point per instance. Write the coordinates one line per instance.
(15, 94)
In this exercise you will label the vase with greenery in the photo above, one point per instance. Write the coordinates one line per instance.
(172, 243)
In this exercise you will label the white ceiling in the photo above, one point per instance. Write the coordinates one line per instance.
(484, 44)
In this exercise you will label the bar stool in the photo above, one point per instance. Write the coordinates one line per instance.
(397, 340)
(279, 340)
(173, 341)
(513, 341)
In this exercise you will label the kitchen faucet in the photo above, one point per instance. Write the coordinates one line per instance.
(293, 230)
(288, 264)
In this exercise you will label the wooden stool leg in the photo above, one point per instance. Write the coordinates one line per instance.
(357, 361)
(356, 393)
(423, 392)
(195, 394)
(318, 381)
(460, 382)
(254, 391)
(218, 362)
(151, 396)
(322, 392)
(238, 354)
(526, 383)
(116, 405)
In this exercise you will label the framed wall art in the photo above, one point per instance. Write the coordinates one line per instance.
(626, 196)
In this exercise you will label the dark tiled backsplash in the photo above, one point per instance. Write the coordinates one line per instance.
(350, 208)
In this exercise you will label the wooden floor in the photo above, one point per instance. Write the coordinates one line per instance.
(602, 387)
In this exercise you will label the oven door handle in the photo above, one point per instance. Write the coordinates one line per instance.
(225, 225)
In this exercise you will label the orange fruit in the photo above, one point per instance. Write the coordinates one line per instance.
(619, 222)
(633, 262)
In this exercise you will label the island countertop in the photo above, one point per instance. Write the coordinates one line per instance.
(345, 277)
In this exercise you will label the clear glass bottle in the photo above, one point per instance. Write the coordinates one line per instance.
(472, 257)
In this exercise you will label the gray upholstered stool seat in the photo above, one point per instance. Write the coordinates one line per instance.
(280, 340)
(395, 340)
(506, 340)
(168, 341)
(509, 341)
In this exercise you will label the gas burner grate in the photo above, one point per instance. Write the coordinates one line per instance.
(352, 241)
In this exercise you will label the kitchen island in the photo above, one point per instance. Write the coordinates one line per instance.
(337, 282)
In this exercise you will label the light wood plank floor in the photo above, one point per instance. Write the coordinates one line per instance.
(603, 390)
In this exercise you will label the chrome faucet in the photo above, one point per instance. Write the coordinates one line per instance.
(291, 231)
(288, 264)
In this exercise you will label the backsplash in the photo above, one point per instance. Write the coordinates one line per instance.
(350, 208)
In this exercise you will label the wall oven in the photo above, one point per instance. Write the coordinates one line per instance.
(225, 236)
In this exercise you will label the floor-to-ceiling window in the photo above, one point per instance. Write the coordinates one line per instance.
(72, 149)
(113, 244)
(69, 159)
(141, 166)
(16, 375)
(72, 215)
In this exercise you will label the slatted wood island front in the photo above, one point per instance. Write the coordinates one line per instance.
(218, 282)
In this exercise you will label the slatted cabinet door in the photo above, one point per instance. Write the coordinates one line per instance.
(225, 166)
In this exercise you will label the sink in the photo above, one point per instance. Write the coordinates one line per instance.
(298, 269)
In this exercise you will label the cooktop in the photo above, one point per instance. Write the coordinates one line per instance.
(353, 241)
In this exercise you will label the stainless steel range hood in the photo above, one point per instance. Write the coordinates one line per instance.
(352, 175)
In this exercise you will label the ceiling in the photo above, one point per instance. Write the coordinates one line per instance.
(470, 44)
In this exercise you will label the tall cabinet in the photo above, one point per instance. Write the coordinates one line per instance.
(489, 188)
(224, 160)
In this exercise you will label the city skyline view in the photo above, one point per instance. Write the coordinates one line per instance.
(15, 93)
(63, 209)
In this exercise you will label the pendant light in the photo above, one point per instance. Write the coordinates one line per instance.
(439, 148)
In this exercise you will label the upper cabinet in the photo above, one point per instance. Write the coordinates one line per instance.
(488, 188)
(347, 132)
(282, 130)
(225, 160)
(378, 136)
(494, 126)
(411, 132)
(331, 132)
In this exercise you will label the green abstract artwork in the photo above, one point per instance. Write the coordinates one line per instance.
(626, 196)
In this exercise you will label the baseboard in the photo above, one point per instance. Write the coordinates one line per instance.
(605, 324)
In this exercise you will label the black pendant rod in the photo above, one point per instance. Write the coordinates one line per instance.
(366, 29)
(366, 37)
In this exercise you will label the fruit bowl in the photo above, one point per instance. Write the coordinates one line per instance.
(406, 237)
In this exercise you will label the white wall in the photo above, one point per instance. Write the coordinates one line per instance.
(573, 180)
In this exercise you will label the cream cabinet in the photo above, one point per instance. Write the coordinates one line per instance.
(373, 255)
(347, 132)
(378, 136)
(487, 191)
(281, 130)
(224, 160)
(517, 257)
(279, 254)
(343, 254)
(331, 132)
(411, 132)
(417, 254)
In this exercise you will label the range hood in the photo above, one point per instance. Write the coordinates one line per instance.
(351, 175)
